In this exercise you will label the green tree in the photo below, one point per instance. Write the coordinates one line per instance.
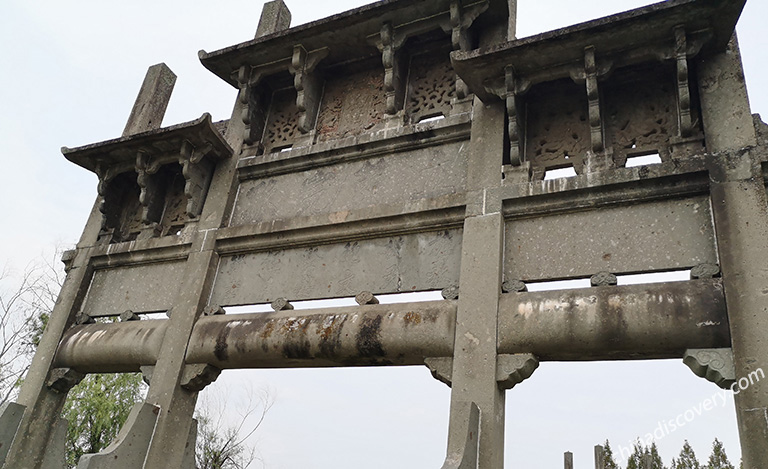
(608, 461)
(687, 459)
(96, 409)
(635, 460)
(718, 458)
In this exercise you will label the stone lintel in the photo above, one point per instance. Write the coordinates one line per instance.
(715, 365)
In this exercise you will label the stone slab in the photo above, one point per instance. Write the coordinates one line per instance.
(393, 178)
(141, 288)
(414, 262)
(655, 236)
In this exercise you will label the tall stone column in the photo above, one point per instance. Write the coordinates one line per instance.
(740, 214)
(474, 361)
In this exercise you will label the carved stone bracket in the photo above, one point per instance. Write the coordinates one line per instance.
(513, 286)
(254, 100)
(461, 20)
(308, 85)
(593, 97)
(198, 172)
(441, 368)
(394, 69)
(513, 122)
(150, 195)
(683, 90)
(715, 365)
(281, 304)
(705, 271)
(196, 377)
(63, 379)
(510, 369)
(603, 279)
(366, 298)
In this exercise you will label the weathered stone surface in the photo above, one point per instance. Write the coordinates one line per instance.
(275, 17)
(714, 365)
(153, 98)
(655, 236)
(129, 449)
(342, 188)
(423, 261)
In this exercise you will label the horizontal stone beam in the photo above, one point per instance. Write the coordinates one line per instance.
(394, 334)
(660, 320)
(647, 321)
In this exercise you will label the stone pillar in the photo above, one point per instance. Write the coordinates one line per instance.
(152, 101)
(275, 17)
(474, 361)
(740, 212)
(43, 403)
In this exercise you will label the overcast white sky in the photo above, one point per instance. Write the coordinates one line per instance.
(70, 73)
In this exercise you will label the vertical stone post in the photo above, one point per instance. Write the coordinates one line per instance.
(474, 361)
(568, 460)
(599, 457)
(740, 213)
(275, 16)
(149, 108)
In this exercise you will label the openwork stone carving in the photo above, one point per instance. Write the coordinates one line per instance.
(432, 86)
(557, 126)
(352, 104)
(283, 122)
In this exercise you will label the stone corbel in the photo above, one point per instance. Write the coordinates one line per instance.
(253, 99)
(683, 90)
(511, 370)
(151, 197)
(392, 58)
(308, 85)
(715, 365)
(107, 206)
(516, 151)
(510, 88)
(196, 377)
(593, 97)
(461, 20)
(198, 172)
(63, 379)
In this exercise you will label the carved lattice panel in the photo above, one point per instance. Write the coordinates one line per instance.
(352, 104)
(557, 125)
(122, 209)
(283, 120)
(432, 86)
(641, 109)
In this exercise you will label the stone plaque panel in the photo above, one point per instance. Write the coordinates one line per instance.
(141, 289)
(413, 262)
(394, 178)
(654, 236)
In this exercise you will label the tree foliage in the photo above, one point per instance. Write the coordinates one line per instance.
(718, 458)
(96, 409)
(608, 460)
(687, 459)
